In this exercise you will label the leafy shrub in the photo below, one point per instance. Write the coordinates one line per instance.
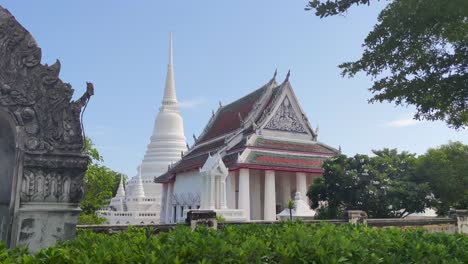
(91, 219)
(287, 242)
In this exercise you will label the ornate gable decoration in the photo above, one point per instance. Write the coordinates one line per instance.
(285, 119)
(39, 101)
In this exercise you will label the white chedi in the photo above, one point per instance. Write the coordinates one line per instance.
(140, 202)
(301, 210)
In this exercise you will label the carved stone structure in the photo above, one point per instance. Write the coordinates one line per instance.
(41, 144)
(356, 216)
(202, 217)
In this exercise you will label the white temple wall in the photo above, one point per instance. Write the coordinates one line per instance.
(187, 191)
(188, 182)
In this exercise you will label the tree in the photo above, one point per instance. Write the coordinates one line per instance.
(100, 184)
(417, 54)
(384, 185)
(446, 170)
(291, 205)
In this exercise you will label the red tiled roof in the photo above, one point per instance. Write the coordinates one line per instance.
(211, 147)
(292, 146)
(227, 119)
(289, 161)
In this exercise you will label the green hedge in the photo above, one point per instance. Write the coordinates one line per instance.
(279, 243)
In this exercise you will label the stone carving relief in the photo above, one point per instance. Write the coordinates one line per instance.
(285, 119)
(49, 138)
(49, 122)
(50, 186)
(40, 101)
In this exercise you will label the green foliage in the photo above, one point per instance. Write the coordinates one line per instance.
(91, 219)
(100, 184)
(446, 170)
(220, 219)
(287, 242)
(331, 8)
(417, 54)
(383, 186)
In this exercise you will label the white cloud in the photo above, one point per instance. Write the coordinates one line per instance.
(191, 103)
(402, 122)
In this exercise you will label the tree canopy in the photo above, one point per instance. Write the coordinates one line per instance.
(384, 185)
(446, 170)
(100, 184)
(417, 54)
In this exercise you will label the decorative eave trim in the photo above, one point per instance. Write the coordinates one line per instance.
(276, 168)
(296, 152)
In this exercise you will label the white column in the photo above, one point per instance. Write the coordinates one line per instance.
(222, 192)
(301, 184)
(285, 189)
(170, 191)
(212, 192)
(270, 196)
(162, 215)
(244, 192)
(231, 190)
(203, 193)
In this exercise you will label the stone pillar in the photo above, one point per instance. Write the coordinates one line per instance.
(244, 192)
(462, 220)
(356, 216)
(270, 196)
(42, 163)
(301, 185)
(202, 217)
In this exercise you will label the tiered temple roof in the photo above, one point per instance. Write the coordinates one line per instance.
(235, 131)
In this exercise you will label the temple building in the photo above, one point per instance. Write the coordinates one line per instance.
(140, 201)
(254, 155)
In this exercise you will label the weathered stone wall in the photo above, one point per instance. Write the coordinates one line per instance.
(433, 225)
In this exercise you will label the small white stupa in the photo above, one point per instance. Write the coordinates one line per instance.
(140, 203)
(301, 210)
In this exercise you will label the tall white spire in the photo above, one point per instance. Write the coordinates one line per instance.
(120, 191)
(169, 90)
(168, 139)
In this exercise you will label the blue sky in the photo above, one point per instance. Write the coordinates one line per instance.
(222, 51)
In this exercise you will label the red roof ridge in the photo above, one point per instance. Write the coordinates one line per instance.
(230, 114)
